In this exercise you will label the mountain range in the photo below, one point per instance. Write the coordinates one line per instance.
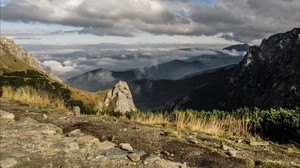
(267, 77)
(100, 79)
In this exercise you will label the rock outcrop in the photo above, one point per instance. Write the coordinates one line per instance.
(117, 99)
(15, 57)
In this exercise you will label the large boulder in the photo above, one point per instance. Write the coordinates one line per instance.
(118, 99)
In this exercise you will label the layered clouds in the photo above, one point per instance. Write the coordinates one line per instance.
(240, 20)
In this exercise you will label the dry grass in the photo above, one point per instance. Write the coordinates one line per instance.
(228, 125)
(151, 118)
(30, 96)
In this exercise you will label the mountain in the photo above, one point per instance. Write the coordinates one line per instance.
(174, 69)
(238, 47)
(19, 68)
(267, 77)
(101, 79)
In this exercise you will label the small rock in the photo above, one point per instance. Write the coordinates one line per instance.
(194, 133)
(9, 162)
(152, 158)
(134, 157)
(145, 162)
(111, 138)
(239, 141)
(6, 115)
(126, 146)
(262, 143)
(232, 152)
(72, 146)
(76, 111)
(75, 133)
(193, 141)
(225, 147)
(165, 153)
(106, 145)
(87, 141)
(45, 116)
(135, 127)
(168, 164)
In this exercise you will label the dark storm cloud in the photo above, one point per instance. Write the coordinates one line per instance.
(244, 20)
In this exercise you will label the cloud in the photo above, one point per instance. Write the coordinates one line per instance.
(57, 68)
(245, 19)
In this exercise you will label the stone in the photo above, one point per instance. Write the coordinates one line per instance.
(112, 138)
(76, 111)
(262, 143)
(72, 146)
(6, 115)
(87, 141)
(232, 152)
(134, 157)
(126, 146)
(152, 158)
(9, 162)
(168, 164)
(114, 153)
(75, 133)
(118, 99)
(45, 116)
(106, 145)
(193, 141)
(225, 147)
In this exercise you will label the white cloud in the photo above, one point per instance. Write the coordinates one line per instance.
(57, 68)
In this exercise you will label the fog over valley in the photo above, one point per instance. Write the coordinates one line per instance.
(70, 61)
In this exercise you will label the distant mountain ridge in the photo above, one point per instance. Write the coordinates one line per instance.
(101, 78)
(238, 47)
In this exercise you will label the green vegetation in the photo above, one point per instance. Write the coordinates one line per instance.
(281, 125)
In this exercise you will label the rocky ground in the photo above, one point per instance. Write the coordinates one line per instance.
(46, 137)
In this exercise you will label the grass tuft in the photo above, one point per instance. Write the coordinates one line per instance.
(28, 95)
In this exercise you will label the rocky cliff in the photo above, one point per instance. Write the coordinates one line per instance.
(269, 75)
(14, 57)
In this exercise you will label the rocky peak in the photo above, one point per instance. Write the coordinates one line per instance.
(274, 49)
(20, 53)
(269, 74)
(119, 99)
(15, 57)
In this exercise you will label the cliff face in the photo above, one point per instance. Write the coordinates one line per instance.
(269, 75)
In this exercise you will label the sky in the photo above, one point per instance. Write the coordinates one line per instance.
(70, 22)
